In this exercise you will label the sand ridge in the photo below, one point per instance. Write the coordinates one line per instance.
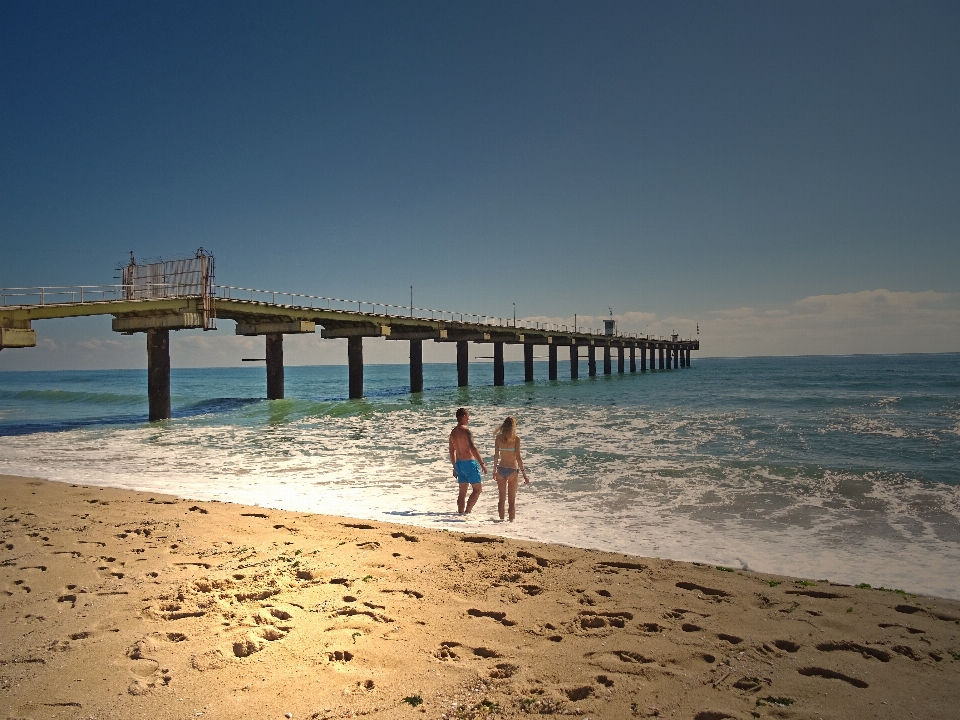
(117, 604)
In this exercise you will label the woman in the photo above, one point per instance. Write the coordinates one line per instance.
(506, 463)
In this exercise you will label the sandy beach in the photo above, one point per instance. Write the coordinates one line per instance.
(118, 604)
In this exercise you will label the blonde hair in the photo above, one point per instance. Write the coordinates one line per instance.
(508, 431)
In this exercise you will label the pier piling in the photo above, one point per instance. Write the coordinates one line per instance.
(528, 362)
(416, 366)
(355, 362)
(574, 362)
(463, 363)
(633, 358)
(643, 357)
(552, 361)
(660, 358)
(620, 351)
(158, 373)
(274, 366)
(592, 360)
(498, 363)
(607, 368)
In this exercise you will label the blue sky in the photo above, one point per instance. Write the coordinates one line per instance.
(785, 174)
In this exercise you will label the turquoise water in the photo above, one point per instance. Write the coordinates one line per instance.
(845, 468)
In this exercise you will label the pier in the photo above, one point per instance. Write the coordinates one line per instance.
(181, 295)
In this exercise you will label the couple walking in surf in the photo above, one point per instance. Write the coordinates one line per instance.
(467, 464)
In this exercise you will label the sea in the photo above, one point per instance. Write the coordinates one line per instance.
(825, 468)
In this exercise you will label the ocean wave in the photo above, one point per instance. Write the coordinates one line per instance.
(69, 397)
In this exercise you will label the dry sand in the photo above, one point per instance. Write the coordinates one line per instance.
(117, 604)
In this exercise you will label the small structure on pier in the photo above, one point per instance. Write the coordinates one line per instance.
(155, 298)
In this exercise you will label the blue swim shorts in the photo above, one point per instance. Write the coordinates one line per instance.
(468, 471)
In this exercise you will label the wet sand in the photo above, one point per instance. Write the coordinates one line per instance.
(118, 604)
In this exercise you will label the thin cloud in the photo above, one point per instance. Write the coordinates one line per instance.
(869, 321)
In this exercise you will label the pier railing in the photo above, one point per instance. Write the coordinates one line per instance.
(69, 294)
(90, 294)
(366, 307)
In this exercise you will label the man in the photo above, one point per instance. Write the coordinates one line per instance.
(465, 458)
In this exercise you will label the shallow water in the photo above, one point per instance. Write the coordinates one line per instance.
(845, 468)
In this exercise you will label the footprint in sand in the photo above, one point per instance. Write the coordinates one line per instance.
(503, 671)
(446, 651)
(590, 620)
(750, 684)
(628, 662)
(732, 639)
(911, 630)
(147, 672)
(485, 652)
(907, 651)
(832, 675)
(269, 615)
(353, 612)
(209, 660)
(787, 645)
(170, 610)
(822, 594)
(500, 617)
(864, 650)
(714, 592)
(579, 693)
(622, 565)
(542, 562)
(256, 640)
(409, 593)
